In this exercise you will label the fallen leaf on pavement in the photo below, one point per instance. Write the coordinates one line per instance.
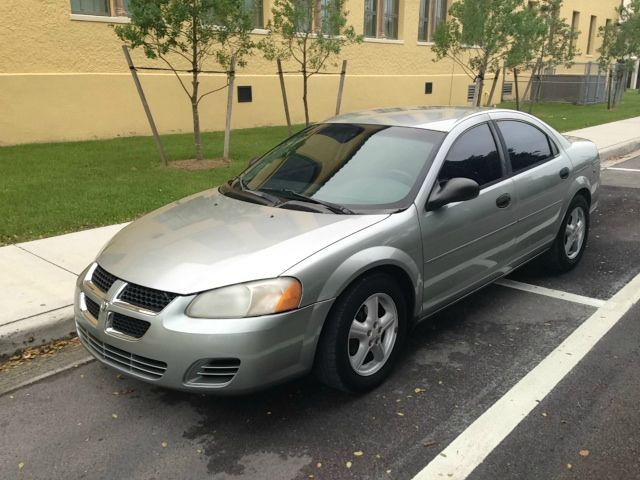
(400, 414)
(419, 390)
(164, 444)
(20, 466)
(584, 453)
(114, 415)
(430, 443)
(569, 466)
(32, 353)
(349, 464)
(359, 453)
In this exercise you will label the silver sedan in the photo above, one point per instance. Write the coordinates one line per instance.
(326, 250)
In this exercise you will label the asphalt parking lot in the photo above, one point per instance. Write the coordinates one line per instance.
(455, 368)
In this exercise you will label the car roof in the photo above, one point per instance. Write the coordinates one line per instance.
(428, 117)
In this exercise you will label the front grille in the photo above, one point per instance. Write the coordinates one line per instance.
(145, 367)
(102, 279)
(154, 300)
(216, 371)
(92, 307)
(129, 326)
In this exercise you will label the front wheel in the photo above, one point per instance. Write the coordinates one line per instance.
(571, 241)
(362, 335)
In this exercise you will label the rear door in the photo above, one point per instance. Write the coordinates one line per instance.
(465, 244)
(540, 174)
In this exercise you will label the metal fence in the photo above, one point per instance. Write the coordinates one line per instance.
(581, 83)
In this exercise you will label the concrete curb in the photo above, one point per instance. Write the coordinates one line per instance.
(619, 149)
(36, 330)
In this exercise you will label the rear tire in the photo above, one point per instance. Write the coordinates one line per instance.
(571, 241)
(363, 334)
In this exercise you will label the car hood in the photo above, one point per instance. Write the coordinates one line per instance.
(208, 240)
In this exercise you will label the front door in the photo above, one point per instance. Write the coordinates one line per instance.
(466, 244)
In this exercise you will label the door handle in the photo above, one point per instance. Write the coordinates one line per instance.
(503, 200)
(564, 173)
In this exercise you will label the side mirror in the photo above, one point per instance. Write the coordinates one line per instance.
(455, 190)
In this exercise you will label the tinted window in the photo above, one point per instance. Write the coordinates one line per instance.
(362, 166)
(526, 144)
(474, 155)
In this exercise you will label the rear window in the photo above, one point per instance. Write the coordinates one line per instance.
(526, 144)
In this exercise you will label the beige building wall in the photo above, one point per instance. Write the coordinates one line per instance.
(63, 77)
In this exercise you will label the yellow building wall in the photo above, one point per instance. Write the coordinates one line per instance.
(64, 79)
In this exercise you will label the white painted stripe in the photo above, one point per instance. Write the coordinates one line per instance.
(472, 446)
(569, 297)
(620, 169)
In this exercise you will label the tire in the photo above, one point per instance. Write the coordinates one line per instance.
(350, 330)
(562, 258)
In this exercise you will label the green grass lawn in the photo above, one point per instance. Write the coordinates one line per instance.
(564, 117)
(49, 189)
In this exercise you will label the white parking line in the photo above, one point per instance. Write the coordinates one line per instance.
(570, 297)
(620, 169)
(472, 446)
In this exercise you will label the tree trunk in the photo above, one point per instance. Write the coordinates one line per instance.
(515, 84)
(610, 82)
(196, 130)
(479, 87)
(305, 81)
(536, 96)
(194, 93)
(496, 75)
(196, 117)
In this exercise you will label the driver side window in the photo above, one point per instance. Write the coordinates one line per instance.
(474, 155)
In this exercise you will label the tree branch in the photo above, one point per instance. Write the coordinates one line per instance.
(176, 74)
(212, 91)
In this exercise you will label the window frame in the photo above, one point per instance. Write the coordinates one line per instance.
(430, 17)
(553, 148)
(380, 15)
(505, 171)
(116, 13)
(591, 39)
(94, 13)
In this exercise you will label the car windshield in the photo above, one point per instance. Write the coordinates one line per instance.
(362, 167)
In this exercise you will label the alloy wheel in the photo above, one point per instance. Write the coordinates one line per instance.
(373, 334)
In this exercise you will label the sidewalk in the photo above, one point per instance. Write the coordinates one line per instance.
(36, 303)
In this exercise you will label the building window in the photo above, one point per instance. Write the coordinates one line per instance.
(91, 7)
(316, 16)
(370, 18)
(381, 18)
(103, 8)
(432, 14)
(256, 9)
(592, 34)
(575, 22)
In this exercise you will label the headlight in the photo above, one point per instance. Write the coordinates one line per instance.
(252, 299)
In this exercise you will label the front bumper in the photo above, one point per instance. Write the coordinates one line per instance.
(238, 355)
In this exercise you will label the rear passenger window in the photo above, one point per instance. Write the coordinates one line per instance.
(526, 144)
(474, 155)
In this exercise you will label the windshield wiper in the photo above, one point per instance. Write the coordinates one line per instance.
(299, 196)
(270, 199)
